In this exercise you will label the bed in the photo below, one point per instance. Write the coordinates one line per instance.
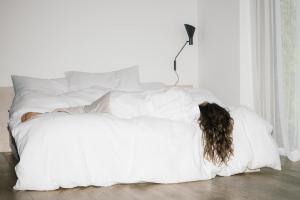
(127, 144)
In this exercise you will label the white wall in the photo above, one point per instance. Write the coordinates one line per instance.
(246, 63)
(45, 38)
(219, 51)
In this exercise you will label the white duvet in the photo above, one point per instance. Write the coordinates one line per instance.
(155, 143)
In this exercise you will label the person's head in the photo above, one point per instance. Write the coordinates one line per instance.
(217, 125)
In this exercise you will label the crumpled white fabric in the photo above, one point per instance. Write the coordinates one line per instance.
(173, 104)
(153, 145)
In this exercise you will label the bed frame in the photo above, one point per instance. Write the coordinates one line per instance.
(6, 141)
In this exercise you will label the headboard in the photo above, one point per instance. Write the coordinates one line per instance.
(6, 97)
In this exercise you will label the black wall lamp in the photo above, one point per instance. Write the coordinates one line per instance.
(190, 31)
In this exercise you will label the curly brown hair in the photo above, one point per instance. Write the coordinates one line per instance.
(217, 125)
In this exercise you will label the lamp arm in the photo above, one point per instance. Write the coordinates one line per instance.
(178, 54)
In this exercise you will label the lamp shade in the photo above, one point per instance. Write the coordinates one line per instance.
(190, 31)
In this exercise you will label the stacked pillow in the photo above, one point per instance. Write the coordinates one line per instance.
(23, 85)
(77, 88)
(126, 79)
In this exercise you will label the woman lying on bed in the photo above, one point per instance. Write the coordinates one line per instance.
(155, 136)
(215, 122)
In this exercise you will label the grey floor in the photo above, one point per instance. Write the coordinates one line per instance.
(264, 185)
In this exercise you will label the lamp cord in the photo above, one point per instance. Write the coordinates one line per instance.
(177, 78)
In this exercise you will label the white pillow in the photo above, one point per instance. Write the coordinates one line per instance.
(129, 79)
(23, 84)
(82, 80)
(126, 79)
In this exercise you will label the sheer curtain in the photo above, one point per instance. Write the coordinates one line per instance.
(276, 74)
(288, 21)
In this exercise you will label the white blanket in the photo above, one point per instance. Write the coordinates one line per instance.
(63, 150)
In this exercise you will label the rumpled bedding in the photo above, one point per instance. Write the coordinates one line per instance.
(149, 136)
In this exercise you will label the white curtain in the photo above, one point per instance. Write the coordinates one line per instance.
(276, 74)
(288, 53)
